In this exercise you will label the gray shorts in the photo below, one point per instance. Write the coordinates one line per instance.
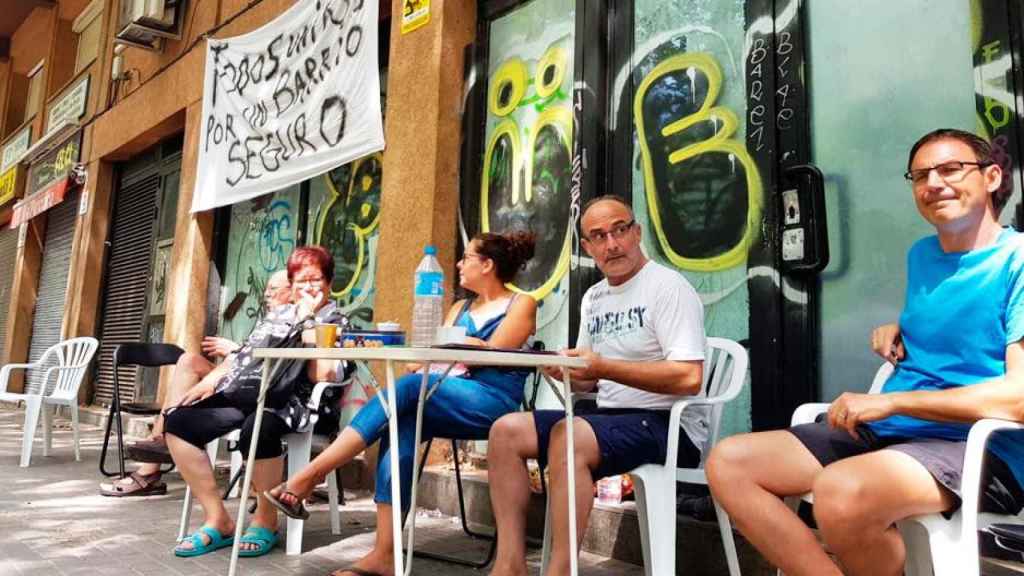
(944, 459)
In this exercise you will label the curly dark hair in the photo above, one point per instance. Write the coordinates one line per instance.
(509, 251)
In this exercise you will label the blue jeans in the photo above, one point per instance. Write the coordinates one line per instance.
(461, 408)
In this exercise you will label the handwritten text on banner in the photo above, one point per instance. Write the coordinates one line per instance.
(289, 101)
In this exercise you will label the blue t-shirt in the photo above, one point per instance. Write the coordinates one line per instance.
(962, 310)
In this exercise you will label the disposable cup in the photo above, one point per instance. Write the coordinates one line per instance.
(326, 335)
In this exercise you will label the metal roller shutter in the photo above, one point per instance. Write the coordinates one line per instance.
(129, 265)
(53, 284)
(8, 253)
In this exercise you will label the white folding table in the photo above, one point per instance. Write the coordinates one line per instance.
(427, 357)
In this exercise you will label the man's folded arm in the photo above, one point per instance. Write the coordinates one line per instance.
(998, 398)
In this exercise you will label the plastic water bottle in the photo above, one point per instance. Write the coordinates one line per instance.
(428, 299)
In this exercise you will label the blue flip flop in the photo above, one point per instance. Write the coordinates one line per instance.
(217, 541)
(263, 538)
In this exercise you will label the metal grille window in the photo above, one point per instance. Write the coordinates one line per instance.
(129, 267)
(53, 284)
(8, 253)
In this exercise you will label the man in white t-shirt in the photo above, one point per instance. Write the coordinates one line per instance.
(642, 334)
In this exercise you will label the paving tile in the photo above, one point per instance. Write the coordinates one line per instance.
(40, 566)
(55, 522)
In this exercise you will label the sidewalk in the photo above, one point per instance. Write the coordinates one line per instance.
(54, 521)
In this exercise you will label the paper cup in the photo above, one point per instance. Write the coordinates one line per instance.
(451, 335)
(326, 335)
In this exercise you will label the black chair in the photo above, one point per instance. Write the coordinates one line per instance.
(529, 404)
(138, 354)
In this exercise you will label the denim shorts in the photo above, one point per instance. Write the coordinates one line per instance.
(627, 438)
(944, 460)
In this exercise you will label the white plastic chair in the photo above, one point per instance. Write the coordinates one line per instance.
(934, 544)
(68, 361)
(300, 447)
(299, 450)
(725, 371)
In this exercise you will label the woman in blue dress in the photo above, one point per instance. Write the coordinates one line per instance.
(464, 405)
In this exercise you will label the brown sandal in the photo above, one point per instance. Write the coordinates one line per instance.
(297, 510)
(136, 485)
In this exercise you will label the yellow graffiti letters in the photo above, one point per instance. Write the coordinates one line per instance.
(724, 122)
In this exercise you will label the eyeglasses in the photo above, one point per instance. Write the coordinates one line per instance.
(308, 281)
(468, 255)
(617, 231)
(271, 290)
(950, 172)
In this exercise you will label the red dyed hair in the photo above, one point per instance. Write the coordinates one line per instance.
(315, 255)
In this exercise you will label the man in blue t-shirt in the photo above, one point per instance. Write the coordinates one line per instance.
(879, 458)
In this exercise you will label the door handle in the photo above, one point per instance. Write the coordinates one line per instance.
(804, 224)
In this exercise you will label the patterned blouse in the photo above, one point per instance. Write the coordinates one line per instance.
(243, 378)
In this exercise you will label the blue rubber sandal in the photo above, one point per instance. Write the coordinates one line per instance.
(217, 541)
(263, 538)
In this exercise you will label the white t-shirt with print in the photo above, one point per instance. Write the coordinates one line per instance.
(655, 315)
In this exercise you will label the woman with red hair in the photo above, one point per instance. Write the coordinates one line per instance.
(464, 404)
(226, 402)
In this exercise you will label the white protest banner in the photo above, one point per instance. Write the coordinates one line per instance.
(289, 101)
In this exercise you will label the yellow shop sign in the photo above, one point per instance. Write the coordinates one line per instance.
(8, 185)
(415, 13)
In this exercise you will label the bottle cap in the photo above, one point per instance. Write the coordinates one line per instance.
(430, 250)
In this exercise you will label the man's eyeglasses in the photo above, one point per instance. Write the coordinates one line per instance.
(950, 172)
(617, 231)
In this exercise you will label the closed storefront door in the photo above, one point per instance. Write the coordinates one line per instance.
(53, 284)
(8, 252)
(263, 232)
(762, 146)
(142, 231)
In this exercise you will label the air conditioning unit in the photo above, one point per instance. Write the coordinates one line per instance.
(145, 23)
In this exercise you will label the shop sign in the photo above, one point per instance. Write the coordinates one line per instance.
(48, 180)
(9, 184)
(415, 13)
(289, 101)
(55, 166)
(16, 147)
(70, 107)
(40, 202)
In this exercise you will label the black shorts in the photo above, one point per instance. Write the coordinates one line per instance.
(944, 460)
(627, 438)
(215, 416)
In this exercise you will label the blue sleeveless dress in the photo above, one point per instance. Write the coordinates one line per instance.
(463, 407)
